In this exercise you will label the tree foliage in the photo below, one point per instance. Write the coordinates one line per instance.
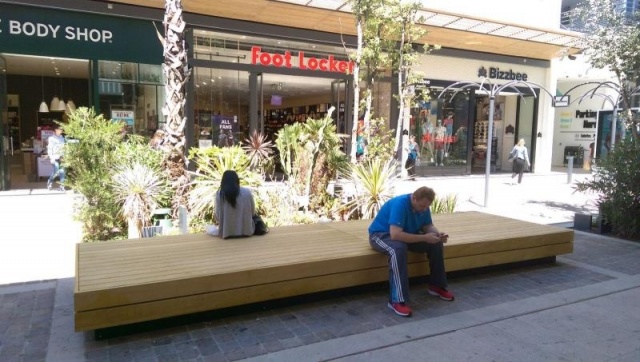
(612, 41)
(369, 58)
(389, 32)
(616, 181)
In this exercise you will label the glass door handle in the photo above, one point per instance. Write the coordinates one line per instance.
(11, 143)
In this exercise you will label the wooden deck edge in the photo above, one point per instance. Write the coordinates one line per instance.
(146, 311)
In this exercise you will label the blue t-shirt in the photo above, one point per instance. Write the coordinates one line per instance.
(398, 212)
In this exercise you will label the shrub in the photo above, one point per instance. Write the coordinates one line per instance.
(373, 180)
(380, 143)
(90, 163)
(444, 205)
(616, 181)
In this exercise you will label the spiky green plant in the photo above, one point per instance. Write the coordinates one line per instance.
(210, 165)
(287, 142)
(444, 205)
(138, 188)
(374, 182)
(259, 151)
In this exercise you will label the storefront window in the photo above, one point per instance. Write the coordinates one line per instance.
(441, 128)
(223, 93)
(133, 94)
(124, 72)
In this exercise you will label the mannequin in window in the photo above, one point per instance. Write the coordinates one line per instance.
(448, 124)
(427, 137)
(439, 137)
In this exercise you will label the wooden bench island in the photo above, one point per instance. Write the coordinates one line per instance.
(124, 282)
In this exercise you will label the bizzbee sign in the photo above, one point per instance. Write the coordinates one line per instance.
(57, 33)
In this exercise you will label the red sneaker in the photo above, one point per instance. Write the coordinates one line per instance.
(441, 293)
(400, 309)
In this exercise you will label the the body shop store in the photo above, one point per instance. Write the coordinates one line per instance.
(50, 32)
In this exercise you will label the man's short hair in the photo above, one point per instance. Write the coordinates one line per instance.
(424, 192)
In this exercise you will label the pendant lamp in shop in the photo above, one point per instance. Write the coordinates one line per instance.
(43, 106)
(55, 103)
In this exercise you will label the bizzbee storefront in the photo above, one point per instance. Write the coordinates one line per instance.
(452, 127)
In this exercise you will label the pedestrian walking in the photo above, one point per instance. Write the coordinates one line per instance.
(520, 158)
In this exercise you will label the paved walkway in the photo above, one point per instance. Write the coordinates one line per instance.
(584, 307)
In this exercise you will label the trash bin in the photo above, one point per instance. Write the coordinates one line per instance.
(162, 217)
(576, 152)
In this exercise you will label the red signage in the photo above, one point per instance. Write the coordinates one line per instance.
(329, 64)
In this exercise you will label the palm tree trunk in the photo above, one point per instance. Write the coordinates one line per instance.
(177, 72)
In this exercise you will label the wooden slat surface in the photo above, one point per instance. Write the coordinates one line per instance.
(185, 274)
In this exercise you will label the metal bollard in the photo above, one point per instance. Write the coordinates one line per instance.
(569, 169)
(183, 220)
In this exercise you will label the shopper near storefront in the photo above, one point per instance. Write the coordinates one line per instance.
(520, 158)
(55, 150)
(410, 164)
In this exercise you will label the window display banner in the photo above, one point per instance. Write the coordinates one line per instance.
(68, 34)
(603, 138)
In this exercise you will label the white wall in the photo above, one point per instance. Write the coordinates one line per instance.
(449, 68)
(570, 128)
(543, 14)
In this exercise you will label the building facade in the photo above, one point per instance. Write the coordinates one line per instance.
(262, 71)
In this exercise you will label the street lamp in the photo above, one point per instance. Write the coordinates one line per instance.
(493, 90)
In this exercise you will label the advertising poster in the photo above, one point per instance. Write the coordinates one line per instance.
(224, 129)
(565, 120)
(125, 116)
(603, 140)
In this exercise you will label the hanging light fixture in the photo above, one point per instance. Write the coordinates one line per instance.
(43, 106)
(70, 106)
(55, 103)
(61, 105)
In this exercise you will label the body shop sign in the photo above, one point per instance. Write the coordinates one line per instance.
(300, 61)
(52, 32)
(55, 31)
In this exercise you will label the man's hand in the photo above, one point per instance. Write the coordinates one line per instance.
(433, 238)
(444, 237)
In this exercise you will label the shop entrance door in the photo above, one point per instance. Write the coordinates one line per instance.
(6, 143)
(338, 100)
(526, 115)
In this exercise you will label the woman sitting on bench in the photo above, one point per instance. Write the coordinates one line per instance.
(234, 207)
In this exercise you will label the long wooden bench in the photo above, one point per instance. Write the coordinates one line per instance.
(119, 283)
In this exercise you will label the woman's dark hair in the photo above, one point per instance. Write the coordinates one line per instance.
(230, 187)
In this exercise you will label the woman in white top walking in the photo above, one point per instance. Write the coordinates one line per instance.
(520, 158)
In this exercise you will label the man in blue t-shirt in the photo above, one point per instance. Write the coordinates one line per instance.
(404, 224)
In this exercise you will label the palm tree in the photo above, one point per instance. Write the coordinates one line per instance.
(177, 73)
